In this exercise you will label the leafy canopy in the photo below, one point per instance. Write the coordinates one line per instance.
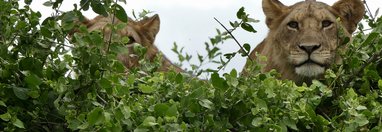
(47, 84)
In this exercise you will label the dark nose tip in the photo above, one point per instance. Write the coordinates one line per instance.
(309, 48)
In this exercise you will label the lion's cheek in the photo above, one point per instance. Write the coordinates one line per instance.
(297, 59)
(322, 57)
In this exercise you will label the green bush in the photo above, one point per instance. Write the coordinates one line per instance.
(47, 84)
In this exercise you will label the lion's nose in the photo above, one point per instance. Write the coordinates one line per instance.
(309, 48)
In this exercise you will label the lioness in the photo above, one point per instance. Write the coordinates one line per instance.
(303, 39)
(142, 32)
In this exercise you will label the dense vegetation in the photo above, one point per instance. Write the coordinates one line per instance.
(47, 84)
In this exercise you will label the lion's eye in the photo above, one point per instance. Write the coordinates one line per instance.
(131, 40)
(326, 23)
(293, 24)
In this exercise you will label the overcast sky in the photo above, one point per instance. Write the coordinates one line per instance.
(190, 23)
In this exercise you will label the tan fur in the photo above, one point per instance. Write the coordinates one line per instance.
(288, 48)
(142, 32)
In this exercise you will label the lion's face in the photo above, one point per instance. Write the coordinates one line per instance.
(141, 32)
(308, 36)
(304, 38)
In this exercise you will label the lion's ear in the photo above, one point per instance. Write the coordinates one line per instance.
(350, 12)
(151, 24)
(272, 10)
(81, 20)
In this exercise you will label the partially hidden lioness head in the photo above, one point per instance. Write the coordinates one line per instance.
(142, 32)
(304, 38)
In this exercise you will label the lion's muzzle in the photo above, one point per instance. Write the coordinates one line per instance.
(309, 60)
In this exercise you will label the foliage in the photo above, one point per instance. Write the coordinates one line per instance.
(47, 84)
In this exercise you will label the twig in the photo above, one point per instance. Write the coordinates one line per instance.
(368, 10)
(111, 33)
(103, 100)
(110, 36)
(233, 37)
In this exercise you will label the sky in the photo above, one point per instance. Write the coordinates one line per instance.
(190, 23)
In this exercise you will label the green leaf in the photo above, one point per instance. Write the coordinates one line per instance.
(98, 8)
(126, 111)
(240, 13)
(95, 116)
(125, 40)
(120, 26)
(232, 80)
(149, 121)
(229, 55)
(21, 93)
(370, 38)
(380, 84)
(179, 78)
(361, 120)
(107, 116)
(83, 126)
(31, 64)
(145, 88)
(257, 122)
(206, 103)
(2, 104)
(260, 104)
(172, 111)
(106, 84)
(138, 129)
(247, 47)
(34, 94)
(118, 67)
(361, 108)
(131, 79)
(28, 2)
(33, 81)
(5, 116)
(124, 1)
(233, 73)
(21, 25)
(18, 123)
(96, 38)
(45, 32)
(290, 123)
(248, 27)
(217, 81)
(322, 120)
(56, 3)
(85, 4)
(161, 109)
(120, 13)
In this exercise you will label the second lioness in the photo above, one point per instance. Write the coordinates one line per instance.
(304, 38)
(142, 32)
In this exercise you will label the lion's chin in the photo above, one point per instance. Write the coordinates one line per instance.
(310, 70)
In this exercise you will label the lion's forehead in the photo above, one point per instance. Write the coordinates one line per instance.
(316, 10)
(131, 28)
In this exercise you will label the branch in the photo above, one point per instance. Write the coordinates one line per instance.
(233, 37)
(110, 36)
(112, 27)
(368, 10)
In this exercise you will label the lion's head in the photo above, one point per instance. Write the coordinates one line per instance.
(304, 38)
(139, 32)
